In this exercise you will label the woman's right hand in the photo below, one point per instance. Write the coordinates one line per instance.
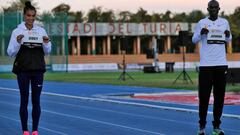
(19, 38)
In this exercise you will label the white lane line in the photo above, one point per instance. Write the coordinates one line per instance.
(122, 113)
(92, 120)
(47, 111)
(102, 122)
(47, 129)
(112, 111)
(127, 103)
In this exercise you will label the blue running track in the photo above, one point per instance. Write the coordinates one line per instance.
(88, 109)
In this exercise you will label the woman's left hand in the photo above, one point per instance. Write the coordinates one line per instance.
(46, 39)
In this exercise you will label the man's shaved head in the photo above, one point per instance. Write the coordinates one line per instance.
(213, 2)
(213, 9)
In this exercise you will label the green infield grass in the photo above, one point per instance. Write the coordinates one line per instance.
(159, 80)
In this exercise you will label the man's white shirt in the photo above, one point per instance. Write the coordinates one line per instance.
(211, 54)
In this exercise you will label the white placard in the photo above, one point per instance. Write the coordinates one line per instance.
(32, 37)
(216, 37)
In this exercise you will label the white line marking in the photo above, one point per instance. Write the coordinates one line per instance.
(102, 122)
(87, 119)
(127, 103)
(122, 113)
(47, 129)
(47, 111)
(167, 93)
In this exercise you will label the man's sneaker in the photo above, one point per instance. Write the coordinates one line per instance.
(26, 133)
(217, 131)
(201, 131)
(35, 133)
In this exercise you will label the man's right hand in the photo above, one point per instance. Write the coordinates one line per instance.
(204, 31)
(19, 38)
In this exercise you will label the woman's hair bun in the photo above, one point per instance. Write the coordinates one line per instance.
(28, 4)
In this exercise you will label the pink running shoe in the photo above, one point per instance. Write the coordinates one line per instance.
(26, 133)
(35, 133)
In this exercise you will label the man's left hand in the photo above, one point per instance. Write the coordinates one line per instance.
(227, 33)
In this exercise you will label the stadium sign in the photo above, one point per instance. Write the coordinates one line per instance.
(118, 29)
